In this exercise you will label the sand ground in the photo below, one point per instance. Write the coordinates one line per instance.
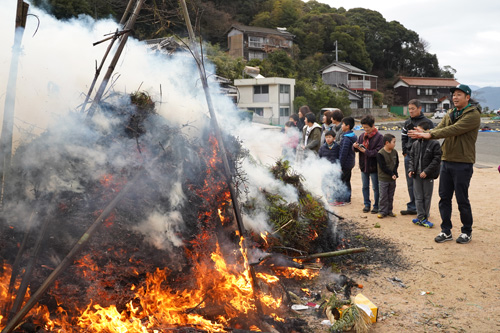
(451, 287)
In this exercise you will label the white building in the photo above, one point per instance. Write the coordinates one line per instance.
(271, 98)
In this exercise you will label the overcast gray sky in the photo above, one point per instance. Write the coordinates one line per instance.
(463, 34)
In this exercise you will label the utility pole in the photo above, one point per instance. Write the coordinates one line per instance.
(336, 51)
(10, 99)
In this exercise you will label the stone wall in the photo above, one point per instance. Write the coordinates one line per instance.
(359, 113)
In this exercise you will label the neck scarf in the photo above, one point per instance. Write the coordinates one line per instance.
(457, 113)
(367, 137)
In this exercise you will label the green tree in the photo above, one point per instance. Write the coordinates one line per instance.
(320, 95)
(378, 98)
(448, 72)
(226, 66)
(352, 46)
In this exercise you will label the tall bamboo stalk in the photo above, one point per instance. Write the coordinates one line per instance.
(114, 61)
(10, 98)
(218, 136)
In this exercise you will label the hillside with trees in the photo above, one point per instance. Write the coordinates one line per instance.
(365, 38)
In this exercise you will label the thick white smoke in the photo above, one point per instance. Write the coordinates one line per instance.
(57, 66)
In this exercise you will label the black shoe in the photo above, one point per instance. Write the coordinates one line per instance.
(463, 238)
(442, 237)
(408, 212)
(366, 209)
(374, 211)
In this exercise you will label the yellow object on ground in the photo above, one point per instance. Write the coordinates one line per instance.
(365, 304)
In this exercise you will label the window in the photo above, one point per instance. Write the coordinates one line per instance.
(418, 91)
(284, 94)
(263, 89)
(256, 55)
(257, 111)
(284, 112)
(428, 91)
(261, 93)
(255, 41)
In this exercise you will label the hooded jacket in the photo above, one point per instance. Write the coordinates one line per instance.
(312, 138)
(460, 135)
(346, 155)
(411, 123)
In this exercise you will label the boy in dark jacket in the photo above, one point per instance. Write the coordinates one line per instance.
(368, 145)
(425, 162)
(388, 163)
(347, 157)
(330, 151)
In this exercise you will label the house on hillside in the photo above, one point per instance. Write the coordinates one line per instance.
(271, 99)
(359, 84)
(256, 42)
(432, 92)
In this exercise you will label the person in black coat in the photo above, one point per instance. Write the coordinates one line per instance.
(424, 167)
(416, 117)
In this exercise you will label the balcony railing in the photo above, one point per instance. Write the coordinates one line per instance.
(361, 84)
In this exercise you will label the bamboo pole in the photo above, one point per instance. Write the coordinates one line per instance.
(17, 263)
(98, 70)
(125, 14)
(218, 136)
(114, 61)
(68, 260)
(21, 292)
(333, 254)
(10, 101)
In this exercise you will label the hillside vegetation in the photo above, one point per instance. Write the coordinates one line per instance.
(365, 38)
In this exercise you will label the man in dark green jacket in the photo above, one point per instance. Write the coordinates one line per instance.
(459, 128)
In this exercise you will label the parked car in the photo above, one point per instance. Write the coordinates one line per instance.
(439, 114)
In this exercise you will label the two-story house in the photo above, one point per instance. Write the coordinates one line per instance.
(359, 84)
(271, 98)
(432, 92)
(255, 42)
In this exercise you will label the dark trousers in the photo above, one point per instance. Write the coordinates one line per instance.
(386, 200)
(455, 178)
(346, 179)
(423, 187)
(409, 183)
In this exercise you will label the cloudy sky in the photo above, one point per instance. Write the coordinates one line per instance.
(463, 34)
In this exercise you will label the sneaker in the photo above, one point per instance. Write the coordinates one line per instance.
(416, 221)
(463, 238)
(442, 237)
(366, 209)
(408, 212)
(391, 214)
(381, 216)
(374, 211)
(426, 223)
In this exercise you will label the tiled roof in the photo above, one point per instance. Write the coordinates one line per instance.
(429, 81)
(246, 28)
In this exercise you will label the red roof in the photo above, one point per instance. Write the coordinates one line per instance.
(429, 81)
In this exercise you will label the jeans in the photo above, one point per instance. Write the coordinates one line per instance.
(455, 177)
(409, 183)
(365, 178)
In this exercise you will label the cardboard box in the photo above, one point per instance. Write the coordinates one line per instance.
(365, 304)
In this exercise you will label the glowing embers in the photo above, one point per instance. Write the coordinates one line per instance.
(221, 293)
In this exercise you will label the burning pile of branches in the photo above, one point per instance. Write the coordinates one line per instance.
(167, 255)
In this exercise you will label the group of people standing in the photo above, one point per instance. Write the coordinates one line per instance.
(425, 159)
